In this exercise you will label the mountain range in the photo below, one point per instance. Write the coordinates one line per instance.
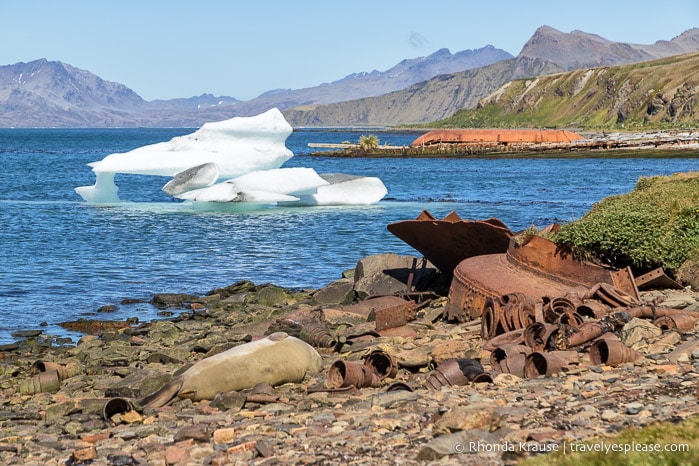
(656, 93)
(45, 93)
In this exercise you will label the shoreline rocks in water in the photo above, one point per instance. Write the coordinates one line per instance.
(55, 408)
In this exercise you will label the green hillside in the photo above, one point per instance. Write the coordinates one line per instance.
(655, 94)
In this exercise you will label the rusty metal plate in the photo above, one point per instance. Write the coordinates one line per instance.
(369, 306)
(394, 316)
(656, 279)
(447, 242)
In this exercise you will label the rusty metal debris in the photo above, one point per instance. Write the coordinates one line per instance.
(447, 242)
(394, 316)
(41, 382)
(535, 267)
(656, 279)
(546, 364)
(399, 386)
(115, 406)
(382, 363)
(378, 366)
(64, 371)
(457, 372)
(352, 374)
(510, 312)
(611, 352)
(681, 322)
(308, 325)
(612, 296)
(509, 359)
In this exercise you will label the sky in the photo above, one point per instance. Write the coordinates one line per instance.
(164, 49)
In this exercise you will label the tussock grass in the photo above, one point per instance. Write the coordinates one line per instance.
(655, 225)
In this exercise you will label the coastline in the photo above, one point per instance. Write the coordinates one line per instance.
(295, 424)
(299, 423)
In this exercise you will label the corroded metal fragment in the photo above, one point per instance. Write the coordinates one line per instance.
(447, 242)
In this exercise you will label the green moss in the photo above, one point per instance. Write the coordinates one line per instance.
(681, 436)
(655, 225)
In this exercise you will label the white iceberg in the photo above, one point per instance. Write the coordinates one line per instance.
(236, 160)
(260, 186)
(342, 189)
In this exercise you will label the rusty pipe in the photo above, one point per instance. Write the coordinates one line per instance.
(515, 337)
(588, 331)
(509, 359)
(455, 372)
(347, 374)
(546, 364)
(538, 336)
(652, 312)
(680, 322)
(382, 363)
(593, 309)
(48, 381)
(116, 406)
(611, 352)
(64, 371)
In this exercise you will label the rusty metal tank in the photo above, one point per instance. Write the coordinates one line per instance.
(533, 266)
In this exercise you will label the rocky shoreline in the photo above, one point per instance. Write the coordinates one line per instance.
(73, 419)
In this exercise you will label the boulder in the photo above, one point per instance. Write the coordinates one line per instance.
(386, 274)
(338, 292)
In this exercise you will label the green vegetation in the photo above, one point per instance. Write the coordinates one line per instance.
(659, 94)
(367, 143)
(675, 436)
(655, 225)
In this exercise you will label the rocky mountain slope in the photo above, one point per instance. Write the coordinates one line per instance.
(421, 90)
(578, 49)
(427, 101)
(43, 93)
(548, 51)
(655, 93)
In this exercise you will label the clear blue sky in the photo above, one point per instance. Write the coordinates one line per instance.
(173, 48)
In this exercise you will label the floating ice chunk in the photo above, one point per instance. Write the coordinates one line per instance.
(344, 190)
(233, 161)
(237, 146)
(278, 181)
(104, 191)
(197, 177)
(229, 191)
(282, 180)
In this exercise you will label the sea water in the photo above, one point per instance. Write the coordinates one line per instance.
(62, 259)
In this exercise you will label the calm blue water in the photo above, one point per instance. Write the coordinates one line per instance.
(61, 259)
